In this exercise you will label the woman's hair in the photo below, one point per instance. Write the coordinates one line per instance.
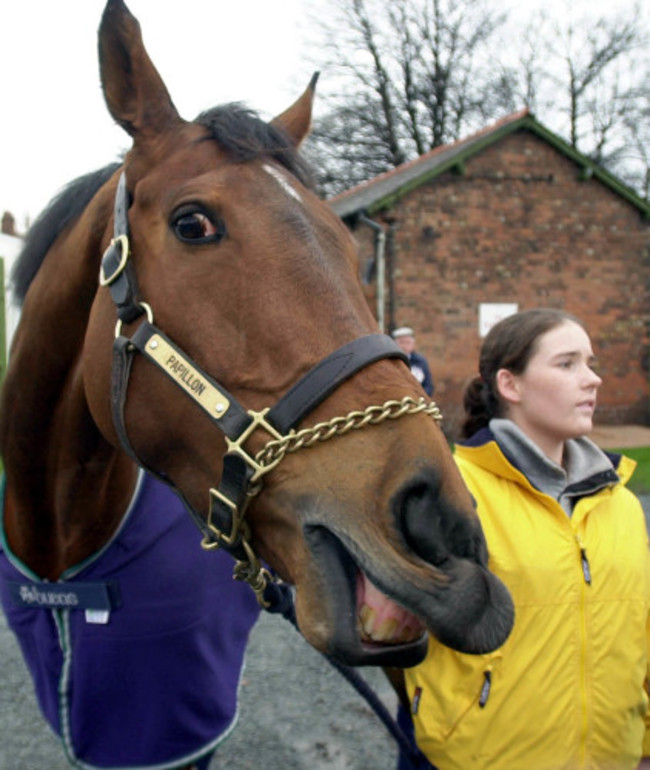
(510, 344)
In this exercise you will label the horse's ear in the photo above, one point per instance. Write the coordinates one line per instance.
(296, 120)
(135, 94)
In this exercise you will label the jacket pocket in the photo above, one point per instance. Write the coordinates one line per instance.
(479, 696)
(459, 686)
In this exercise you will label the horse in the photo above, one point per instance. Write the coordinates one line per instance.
(219, 399)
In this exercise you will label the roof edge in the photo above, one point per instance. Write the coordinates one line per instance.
(467, 148)
(590, 167)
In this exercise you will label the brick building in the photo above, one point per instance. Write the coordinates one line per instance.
(510, 218)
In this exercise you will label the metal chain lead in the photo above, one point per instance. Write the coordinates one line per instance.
(271, 454)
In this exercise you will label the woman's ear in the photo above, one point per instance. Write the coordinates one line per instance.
(508, 386)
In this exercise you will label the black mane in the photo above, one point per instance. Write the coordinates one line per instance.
(245, 136)
(238, 130)
(64, 209)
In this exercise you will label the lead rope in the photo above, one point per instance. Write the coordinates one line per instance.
(279, 600)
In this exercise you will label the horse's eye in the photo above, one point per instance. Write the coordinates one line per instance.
(197, 227)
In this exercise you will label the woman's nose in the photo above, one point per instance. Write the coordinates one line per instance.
(593, 380)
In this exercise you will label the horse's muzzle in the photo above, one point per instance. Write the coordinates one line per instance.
(439, 578)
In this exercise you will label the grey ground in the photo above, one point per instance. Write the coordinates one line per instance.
(297, 711)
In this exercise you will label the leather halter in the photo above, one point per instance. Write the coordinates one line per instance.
(241, 477)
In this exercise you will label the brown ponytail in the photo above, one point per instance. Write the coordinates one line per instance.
(480, 407)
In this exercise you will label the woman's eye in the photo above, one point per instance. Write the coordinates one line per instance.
(196, 226)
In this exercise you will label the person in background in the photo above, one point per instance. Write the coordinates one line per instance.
(405, 338)
(567, 689)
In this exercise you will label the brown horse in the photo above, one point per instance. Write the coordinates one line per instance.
(244, 373)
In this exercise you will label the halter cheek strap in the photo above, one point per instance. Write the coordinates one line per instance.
(117, 271)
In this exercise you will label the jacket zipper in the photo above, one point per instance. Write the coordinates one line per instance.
(586, 569)
(586, 574)
(485, 689)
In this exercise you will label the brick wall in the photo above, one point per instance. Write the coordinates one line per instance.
(519, 225)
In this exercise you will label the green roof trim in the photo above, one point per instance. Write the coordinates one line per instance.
(457, 158)
(590, 169)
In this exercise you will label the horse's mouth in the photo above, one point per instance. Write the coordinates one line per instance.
(382, 621)
(367, 627)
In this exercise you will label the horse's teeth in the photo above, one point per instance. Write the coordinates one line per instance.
(384, 632)
(367, 617)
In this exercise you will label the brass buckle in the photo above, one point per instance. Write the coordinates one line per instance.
(221, 537)
(235, 447)
(123, 241)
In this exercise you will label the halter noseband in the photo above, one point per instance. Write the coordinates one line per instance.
(241, 479)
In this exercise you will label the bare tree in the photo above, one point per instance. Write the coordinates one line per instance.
(584, 78)
(415, 74)
(633, 158)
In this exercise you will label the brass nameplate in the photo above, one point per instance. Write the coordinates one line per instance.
(192, 382)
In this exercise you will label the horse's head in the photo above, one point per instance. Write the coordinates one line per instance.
(249, 282)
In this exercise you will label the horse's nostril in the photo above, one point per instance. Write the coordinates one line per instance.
(433, 527)
(419, 519)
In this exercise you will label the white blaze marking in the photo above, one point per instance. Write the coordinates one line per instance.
(282, 181)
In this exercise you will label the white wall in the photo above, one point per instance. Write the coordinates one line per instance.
(10, 247)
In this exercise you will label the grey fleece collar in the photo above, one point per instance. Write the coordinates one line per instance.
(586, 467)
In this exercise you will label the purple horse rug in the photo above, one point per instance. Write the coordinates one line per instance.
(137, 653)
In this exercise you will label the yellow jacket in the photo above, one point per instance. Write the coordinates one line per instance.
(566, 690)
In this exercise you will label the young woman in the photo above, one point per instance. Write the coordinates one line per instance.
(566, 690)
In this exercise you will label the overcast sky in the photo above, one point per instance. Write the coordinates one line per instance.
(54, 125)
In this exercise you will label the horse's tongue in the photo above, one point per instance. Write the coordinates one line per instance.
(380, 619)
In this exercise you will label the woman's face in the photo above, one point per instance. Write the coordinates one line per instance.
(554, 398)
